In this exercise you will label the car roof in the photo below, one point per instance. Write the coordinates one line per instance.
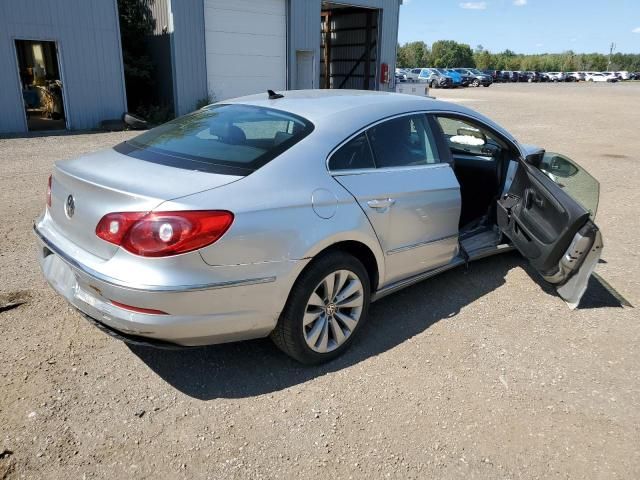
(333, 109)
(317, 105)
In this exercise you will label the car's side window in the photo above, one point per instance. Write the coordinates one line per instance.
(354, 154)
(467, 138)
(403, 141)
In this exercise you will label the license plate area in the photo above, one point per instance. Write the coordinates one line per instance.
(59, 274)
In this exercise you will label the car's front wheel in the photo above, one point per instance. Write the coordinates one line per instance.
(326, 308)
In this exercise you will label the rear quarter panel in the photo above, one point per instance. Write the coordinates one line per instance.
(275, 219)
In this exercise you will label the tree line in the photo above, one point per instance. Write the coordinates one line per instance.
(451, 54)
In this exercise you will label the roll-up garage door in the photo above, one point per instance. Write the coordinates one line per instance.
(246, 44)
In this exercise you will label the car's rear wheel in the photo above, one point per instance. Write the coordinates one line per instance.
(326, 308)
(434, 84)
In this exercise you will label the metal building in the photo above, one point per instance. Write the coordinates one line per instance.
(62, 59)
(226, 48)
(61, 64)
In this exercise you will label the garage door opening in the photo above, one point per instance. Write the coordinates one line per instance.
(41, 84)
(349, 48)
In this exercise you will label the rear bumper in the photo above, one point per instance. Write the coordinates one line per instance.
(218, 311)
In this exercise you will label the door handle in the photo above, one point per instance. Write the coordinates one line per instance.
(380, 204)
(532, 198)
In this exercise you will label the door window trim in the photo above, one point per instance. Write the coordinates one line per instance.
(359, 171)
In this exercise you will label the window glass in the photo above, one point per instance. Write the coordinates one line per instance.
(469, 139)
(231, 136)
(404, 141)
(352, 155)
(574, 179)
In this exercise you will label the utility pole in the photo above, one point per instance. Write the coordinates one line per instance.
(611, 49)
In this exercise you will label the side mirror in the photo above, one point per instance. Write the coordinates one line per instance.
(535, 158)
(559, 166)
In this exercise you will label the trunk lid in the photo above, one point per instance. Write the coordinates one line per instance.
(87, 188)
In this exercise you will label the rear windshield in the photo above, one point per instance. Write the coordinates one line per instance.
(227, 139)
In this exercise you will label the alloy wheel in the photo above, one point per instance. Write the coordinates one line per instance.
(333, 311)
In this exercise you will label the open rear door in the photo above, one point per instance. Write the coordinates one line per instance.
(548, 214)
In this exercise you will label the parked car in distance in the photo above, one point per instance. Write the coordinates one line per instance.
(456, 78)
(496, 75)
(400, 75)
(533, 77)
(287, 215)
(435, 78)
(510, 76)
(476, 77)
(557, 76)
(611, 75)
(623, 75)
(576, 76)
(599, 77)
(412, 74)
(465, 79)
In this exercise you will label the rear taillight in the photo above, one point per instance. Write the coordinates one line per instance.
(161, 234)
(49, 192)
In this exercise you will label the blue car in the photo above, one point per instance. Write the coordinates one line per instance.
(456, 78)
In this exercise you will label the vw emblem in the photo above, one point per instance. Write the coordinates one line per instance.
(70, 206)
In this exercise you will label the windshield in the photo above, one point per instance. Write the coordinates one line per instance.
(442, 71)
(475, 71)
(231, 139)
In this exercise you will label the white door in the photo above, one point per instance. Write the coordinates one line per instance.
(305, 72)
(246, 45)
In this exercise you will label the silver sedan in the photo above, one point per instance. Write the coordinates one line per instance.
(288, 214)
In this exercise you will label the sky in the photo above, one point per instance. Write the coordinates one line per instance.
(525, 26)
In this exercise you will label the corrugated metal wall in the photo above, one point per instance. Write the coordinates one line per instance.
(188, 53)
(305, 31)
(346, 42)
(90, 57)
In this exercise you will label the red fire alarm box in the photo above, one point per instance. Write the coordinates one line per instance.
(384, 73)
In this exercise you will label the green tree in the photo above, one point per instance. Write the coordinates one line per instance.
(413, 54)
(483, 60)
(451, 54)
(448, 53)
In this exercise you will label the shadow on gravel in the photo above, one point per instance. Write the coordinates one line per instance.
(257, 367)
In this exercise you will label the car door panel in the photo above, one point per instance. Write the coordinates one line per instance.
(418, 230)
(551, 229)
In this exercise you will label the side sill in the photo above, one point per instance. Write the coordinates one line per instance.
(394, 287)
(456, 262)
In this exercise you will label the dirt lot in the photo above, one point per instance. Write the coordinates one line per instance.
(475, 374)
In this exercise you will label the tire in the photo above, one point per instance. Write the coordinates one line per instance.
(476, 83)
(487, 85)
(434, 84)
(295, 339)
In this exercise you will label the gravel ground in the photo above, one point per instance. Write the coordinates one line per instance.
(482, 373)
